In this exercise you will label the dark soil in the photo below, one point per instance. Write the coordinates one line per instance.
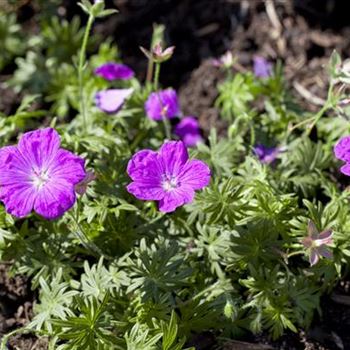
(16, 300)
(300, 33)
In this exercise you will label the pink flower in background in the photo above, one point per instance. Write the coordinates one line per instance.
(39, 175)
(161, 104)
(189, 132)
(342, 152)
(167, 176)
(114, 71)
(81, 187)
(158, 54)
(262, 68)
(112, 100)
(226, 60)
(317, 243)
(266, 155)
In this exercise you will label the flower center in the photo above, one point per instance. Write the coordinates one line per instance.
(169, 183)
(40, 178)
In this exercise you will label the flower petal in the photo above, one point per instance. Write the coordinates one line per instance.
(176, 198)
(173, 156)
(18, 198)
(81, 187)
(12, 163)
(325, 252)
(163, 102)
(189, 132)
(195, 174)
(345, 169)
(39, 147)
(112, 100)
(325, 237)
(262, 68)
(146, 191)
(312, 230)
(54, 199)
(342, 149)
(314, 257)
(114, 71)
(145, 167)
(68, 166)
(16, 191)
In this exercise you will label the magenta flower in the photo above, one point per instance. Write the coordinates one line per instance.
(167, 176)
(189, 132)
(262, 68)
(38, 174)
(342, 152)
(161, 104)
(114, 71)
(316, 243)
(112, 100)
(266, 155)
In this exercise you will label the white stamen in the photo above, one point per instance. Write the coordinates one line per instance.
(169, 183)
(40, 178)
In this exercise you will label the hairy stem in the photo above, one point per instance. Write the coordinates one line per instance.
(7, 336)
(81, 68)
(165, 120)
(156, 76)
(86, 241)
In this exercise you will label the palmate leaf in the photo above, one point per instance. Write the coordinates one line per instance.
(234, 95)
(157, 268)
(303, 166)
(5, 237)
(55, 300)
(139, 338)
(96, 281)
(221, 202)
(215, 246)
(170, 335)
(11, 39)
(62, 38)
(221, 154)
(91, 329)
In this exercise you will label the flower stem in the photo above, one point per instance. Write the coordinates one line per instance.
(81, 68)
(166, 127)
(85, 240)
(165, 120)
(149, 70)
(298, 252)
(7, 336)
(156, 76)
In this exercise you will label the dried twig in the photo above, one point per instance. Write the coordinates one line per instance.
(318, 101)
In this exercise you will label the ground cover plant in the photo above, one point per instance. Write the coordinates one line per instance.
(136, 230)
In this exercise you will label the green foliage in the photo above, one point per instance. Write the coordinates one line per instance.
(11, 40)
(234, 96)
(114, 272)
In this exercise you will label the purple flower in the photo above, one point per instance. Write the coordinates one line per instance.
(114, 71)
(316, 243)
(38, 174)
(188, 131)
(162, 103)
(342, 152)
(266, 155)
(262, 68)
(167, 176)
(112, 100)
